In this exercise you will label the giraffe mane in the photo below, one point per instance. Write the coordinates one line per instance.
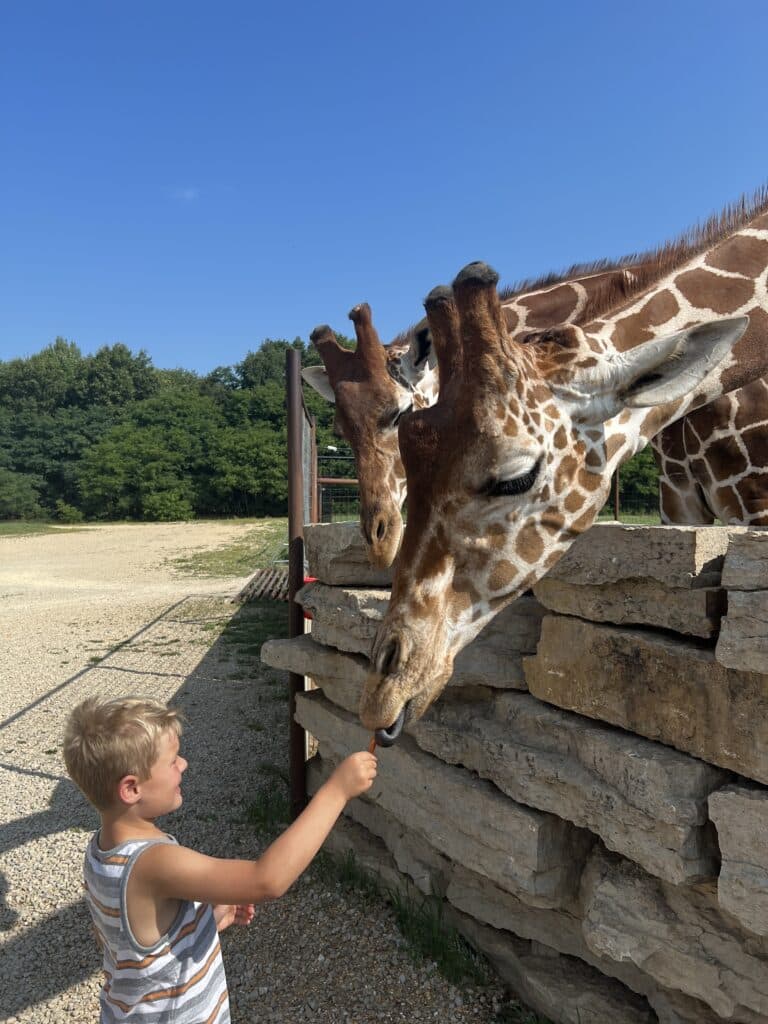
(648, 267)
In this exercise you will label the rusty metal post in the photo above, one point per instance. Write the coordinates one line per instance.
(313, 486)
(297, 737)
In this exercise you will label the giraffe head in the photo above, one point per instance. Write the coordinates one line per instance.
(371, 393)
(369, 404)
(507, 469)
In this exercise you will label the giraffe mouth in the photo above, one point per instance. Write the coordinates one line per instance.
(389, 736)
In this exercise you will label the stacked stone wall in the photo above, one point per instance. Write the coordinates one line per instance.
(589, 796)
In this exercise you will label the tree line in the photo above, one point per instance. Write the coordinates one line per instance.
(109, 436)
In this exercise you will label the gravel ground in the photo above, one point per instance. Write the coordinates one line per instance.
(101, 610)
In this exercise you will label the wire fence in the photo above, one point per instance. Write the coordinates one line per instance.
(339, 499)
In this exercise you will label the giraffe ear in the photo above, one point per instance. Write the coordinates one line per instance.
(653, 373)
(317, 377)
(686, 359)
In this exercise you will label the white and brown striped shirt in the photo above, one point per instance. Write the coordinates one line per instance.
(180, 978)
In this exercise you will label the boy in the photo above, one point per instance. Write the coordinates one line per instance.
(157, 906)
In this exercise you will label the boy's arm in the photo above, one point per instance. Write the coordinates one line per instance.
(174, 872)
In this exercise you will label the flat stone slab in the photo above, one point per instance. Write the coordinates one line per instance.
(743, 640)
(336, 554)
(740, 814)
(567, 990)
(461, 816)
(675, 556)
(746, 561)
(694, 612)
(347, 619)
(657, 686)
(677, 935)
(644, 800)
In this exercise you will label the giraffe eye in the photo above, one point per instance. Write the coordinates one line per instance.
(514, 485)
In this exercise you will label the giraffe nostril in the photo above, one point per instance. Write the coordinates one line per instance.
(389, 657)
(381, 529)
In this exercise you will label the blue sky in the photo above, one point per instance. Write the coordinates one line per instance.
(192, 178)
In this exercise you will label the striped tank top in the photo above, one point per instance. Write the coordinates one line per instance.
(179, 979)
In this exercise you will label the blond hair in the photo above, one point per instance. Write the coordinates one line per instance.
(105, 740)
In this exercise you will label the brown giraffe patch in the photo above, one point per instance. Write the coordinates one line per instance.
(709, 291)
(565, 473)
(743, 254)
(553, 520)
(728, 503)
(503, 574)
(589, 481)
(614, 444)
(573, 502)
(671, 503)
(560, 440)
(633, 329)
(555, 306)
(726, 458)
(757, 446)
(594, 459)
(529, 545)
(510, 317)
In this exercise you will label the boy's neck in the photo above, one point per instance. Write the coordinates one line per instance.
(121, 825)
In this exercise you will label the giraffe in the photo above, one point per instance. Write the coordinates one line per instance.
(375, 385)
(514, 461)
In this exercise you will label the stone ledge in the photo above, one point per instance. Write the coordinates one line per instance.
(657, 686)
(746, 562)
(520, 849)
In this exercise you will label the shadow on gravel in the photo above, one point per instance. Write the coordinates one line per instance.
(227, 701)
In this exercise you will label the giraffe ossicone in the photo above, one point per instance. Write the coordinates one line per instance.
(515, 459)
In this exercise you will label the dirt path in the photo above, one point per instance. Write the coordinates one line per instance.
(103, 610)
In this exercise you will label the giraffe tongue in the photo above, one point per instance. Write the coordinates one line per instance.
(386, 737)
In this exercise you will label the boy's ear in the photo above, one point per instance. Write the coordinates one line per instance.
(128, 790)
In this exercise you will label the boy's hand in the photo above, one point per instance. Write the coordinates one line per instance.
(226, 914)
(355, 774)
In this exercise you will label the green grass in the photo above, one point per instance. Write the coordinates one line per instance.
(17, 528)
(258, 548)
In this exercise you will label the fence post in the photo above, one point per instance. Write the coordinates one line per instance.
(296, 735)
(616, 499)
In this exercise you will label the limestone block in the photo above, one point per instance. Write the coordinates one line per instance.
(676, 556)
(743, 640)
(637, 602)
(415, 858)
(643, 799)
(746, 562)
(340, 676)
(348, 619)
(336, 554)
(551, 932)
(462, 817)
(740, 814)
(675, 934)
(565, 990)
(657, 686)
(560, 932)
(342, 617)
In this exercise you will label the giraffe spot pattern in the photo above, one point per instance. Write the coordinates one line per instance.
(637, 327)
(705, 290)
(503, 574)
(742, 254)
(529, 544)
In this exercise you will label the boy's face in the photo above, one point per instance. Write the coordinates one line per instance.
(161, 792)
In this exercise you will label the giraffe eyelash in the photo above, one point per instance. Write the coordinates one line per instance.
(515, 485)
